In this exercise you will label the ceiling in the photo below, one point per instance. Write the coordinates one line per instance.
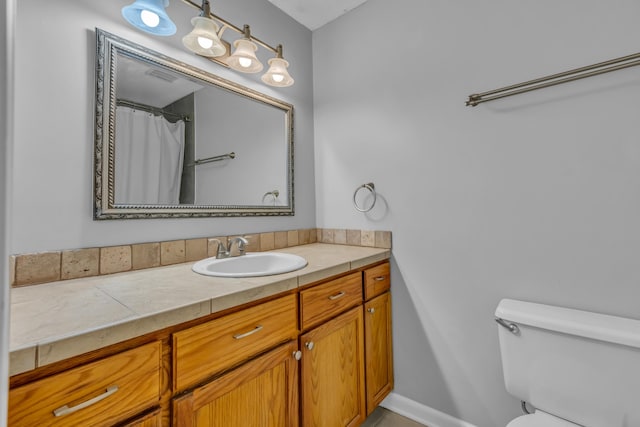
(313, 14)
(134, 84)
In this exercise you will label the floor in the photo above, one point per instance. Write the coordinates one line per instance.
(384, 418)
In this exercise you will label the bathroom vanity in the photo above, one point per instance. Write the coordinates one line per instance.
(304, 348)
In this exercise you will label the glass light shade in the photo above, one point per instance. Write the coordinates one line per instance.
(204, 39)
(150, 16)
(244, 58)
(277, 75)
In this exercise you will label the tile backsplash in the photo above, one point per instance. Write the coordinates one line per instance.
(36, 268)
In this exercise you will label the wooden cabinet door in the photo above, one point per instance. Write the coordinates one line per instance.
(332, 372)
(378, 350)
(261, 393)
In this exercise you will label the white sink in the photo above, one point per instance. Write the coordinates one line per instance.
(250, 265)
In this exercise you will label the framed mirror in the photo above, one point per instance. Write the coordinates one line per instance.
(172, 140)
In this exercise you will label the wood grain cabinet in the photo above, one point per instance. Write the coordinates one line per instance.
(152, 419)
(320, 357)
(97, 394)
(212, 347)
(377, 334)
(332, 374)
(261, 393)
(378, 349)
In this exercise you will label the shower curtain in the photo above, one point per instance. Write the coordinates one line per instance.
(149, 153)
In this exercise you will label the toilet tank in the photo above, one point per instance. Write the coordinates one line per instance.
(577, 365)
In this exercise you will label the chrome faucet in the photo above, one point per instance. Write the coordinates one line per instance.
(241, 243)
(221, 250)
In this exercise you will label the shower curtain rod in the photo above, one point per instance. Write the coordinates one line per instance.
(150, 109)
(556, 79)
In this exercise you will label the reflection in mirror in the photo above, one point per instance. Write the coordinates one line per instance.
(176, 141)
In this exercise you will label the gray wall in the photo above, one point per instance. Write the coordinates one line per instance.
(53, 164)
(535, 197)
(258, 137)
(6, 146)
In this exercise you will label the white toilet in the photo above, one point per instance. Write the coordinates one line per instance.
(574, 367)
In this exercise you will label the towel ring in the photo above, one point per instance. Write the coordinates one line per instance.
(274, 194)
(372, 189)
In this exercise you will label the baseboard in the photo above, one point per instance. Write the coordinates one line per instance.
(421, 413)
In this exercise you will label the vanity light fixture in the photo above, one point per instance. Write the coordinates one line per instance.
(277, 75)
(244, 58)
(150, 16)
(204, 39)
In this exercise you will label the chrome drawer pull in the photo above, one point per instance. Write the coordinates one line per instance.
(380, 278)
(65, 410)
(336, 296)
(246, 334)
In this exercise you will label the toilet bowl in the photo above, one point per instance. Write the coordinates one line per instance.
(540, 419)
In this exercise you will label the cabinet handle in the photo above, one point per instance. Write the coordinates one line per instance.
(297, 355)
(371, 310)
(309, 345)
(65, 410)
(380, 278)
(246, 334)
(336, 296)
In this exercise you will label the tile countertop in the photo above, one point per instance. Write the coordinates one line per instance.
(58, 320)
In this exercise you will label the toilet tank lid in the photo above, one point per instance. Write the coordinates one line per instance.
(586, 324)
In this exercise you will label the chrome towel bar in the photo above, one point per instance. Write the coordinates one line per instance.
(556, 79)
(230, 155)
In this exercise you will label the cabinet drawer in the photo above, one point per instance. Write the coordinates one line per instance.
(328, 299)
(100, 393)
(377, 280)
(212, 347)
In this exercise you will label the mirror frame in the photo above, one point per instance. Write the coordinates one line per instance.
(108, 46)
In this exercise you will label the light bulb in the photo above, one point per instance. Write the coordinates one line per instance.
(150, 19)
(205, 42)
(245, 62)
(277, 77)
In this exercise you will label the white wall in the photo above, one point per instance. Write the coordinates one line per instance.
(53, 165)
(534, 197)
(7, 12)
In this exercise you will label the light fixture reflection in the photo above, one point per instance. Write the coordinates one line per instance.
(244, 58)
(150, 16)
(203, 39)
